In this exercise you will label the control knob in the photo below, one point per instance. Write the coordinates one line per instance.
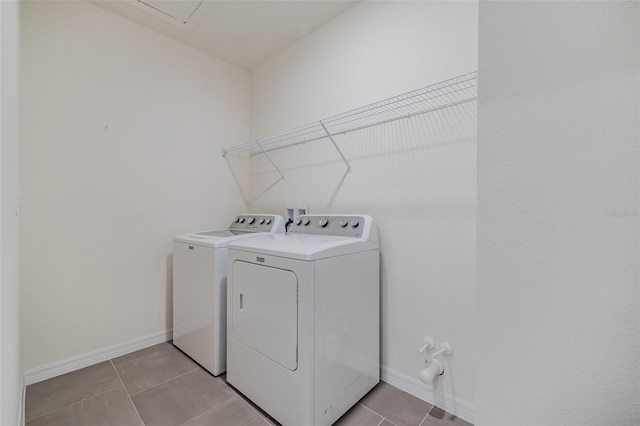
(298, 222)
(242, 220)
(251, 220)
(268, 221)
(262, 221)
(344, 223)
(306, 221)
(323, 222)
(355, 223)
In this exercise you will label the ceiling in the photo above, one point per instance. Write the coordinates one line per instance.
(244, 33)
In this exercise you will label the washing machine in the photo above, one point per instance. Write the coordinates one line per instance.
(303, 318)
(199, 287)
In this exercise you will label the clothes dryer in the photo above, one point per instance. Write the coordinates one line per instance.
(303, 318)
(199, 287)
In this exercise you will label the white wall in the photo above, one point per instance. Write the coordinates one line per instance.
(122, 131)
(10, 369)
(558, 164)
(416, 177)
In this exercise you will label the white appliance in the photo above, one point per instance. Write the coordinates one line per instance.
(199, 287)
(303, 318)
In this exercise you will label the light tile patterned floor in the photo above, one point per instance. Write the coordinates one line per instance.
(162, 386)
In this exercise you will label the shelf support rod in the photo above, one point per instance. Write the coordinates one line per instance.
(335, 145)
(270, 159)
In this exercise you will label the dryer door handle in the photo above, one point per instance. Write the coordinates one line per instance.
(241, 301)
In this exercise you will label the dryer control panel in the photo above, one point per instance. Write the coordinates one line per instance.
(347, 225)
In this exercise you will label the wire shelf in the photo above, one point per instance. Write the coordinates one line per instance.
(444, 94)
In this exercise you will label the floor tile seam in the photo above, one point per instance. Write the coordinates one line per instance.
(73, 403)
(265, 420)
(163, 382)
(206, 410)
(426, 415)
(245, 402)
(127, 392)
(378, 414)
(138, 358)
(384, 418)
(196, 416)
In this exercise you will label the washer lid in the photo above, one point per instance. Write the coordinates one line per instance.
(217, 238)
(303, 247)
(219, 233)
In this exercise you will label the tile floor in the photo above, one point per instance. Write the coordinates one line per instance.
(160, 385)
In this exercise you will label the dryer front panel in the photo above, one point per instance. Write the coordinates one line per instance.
(265, 311)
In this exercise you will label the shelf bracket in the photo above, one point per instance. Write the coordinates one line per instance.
(270, 159)
(335, 145)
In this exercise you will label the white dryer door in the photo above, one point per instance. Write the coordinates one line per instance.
(265, 311)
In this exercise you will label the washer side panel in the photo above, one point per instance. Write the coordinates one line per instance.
(199, 304)
(347, 332)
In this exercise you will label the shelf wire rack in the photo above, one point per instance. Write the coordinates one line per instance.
(445, 94)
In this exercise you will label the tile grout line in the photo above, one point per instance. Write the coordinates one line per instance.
(426, 415)
(69, 405)
(377, 414)
(247, 404)
(384, 418)
(137, 358)
(163, 382)
(264, 420)
(127, 392)
(205, 411)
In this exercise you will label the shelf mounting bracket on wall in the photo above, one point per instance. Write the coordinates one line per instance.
(271, 159)
(335, 145)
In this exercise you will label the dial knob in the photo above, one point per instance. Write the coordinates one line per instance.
(237, 219)
(262, 221)
(344, 223)
(268, 221)
(324, 222)
(355, 223)
(251, 220)
(298, 222)
(306, 221)
(242, 220)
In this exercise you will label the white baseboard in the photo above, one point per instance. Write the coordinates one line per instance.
(23, 398)
(38, 374)
(415, 387)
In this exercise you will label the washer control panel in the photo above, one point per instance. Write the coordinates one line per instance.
(337, 226)
(256, 223)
